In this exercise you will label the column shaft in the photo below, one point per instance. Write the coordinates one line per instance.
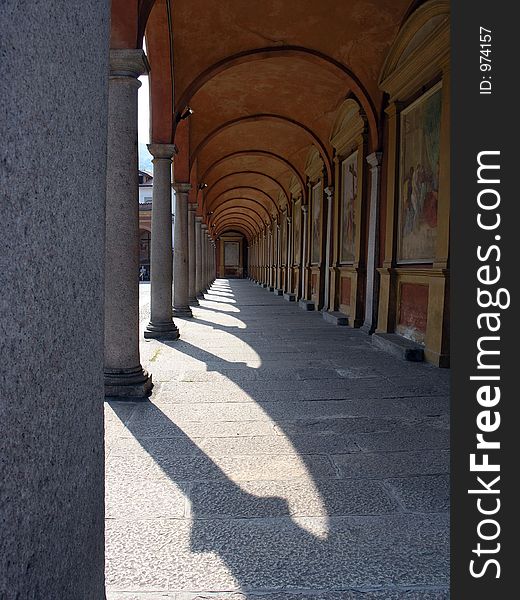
(180, 263)
(124, 375)
(374, 160)
(198, 257)
(161, 324)
(304, 253)
(192, 256)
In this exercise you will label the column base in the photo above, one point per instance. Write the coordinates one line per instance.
(200, 296)
(128, 384)
(278, 292)
(193, 302)
(335, 317)
(399, 346)
(161, 331)
(183, 312)
(306, 304)
(367, 328)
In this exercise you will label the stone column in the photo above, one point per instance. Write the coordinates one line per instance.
(288, 272)
(212, 248)
(204, 257)
(208, 261)
(192, 258)
(124, 375)
(305, 211)
(198, 257)
(55, 69)
(278, 256)
(374, 160)
(161, 324)
(328, 243)
(180, 255)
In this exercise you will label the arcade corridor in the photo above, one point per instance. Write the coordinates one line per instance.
(278, 455)
(253, 447)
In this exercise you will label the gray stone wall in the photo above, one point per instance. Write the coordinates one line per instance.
(53, 111)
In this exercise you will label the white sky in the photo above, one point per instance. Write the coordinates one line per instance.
(143, 108)
(143, 115)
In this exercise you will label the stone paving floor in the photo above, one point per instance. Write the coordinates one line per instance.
(279, 457)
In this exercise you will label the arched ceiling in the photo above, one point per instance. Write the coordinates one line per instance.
(265, 81)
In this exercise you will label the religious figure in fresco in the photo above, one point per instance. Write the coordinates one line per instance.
(419, 178)
(348, 202)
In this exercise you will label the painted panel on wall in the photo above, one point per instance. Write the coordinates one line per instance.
(314, 283)
(297, 232)
(413, 311)
(346, 290)
(231, 254)
(349, 179)
(419, 178)
(316, 224)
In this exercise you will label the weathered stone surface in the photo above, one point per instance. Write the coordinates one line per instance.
(383, 464)
(294, 498)
(423, 494)
(281, 553)
(53, 107)
(200, 467)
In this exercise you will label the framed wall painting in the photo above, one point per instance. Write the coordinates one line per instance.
(419, 178)
(231, 254)
(316, 224)
(349, 191)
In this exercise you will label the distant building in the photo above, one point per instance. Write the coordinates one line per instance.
(145, 222)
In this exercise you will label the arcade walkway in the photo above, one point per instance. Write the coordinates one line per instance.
(279, 455)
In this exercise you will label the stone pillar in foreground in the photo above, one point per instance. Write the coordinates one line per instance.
(192, 256)
(369, 326)
(124, 375)
(181, 306)
(161, 325)
(52, 210)
(198, 257)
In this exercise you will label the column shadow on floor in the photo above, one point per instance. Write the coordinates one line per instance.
(362, 543)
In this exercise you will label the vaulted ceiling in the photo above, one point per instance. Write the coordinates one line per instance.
(265, 81)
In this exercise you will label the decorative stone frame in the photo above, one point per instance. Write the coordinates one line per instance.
(418, 59)
(347, 279)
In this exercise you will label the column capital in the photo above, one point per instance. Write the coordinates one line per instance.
(181, 187)
(192, 206)
(198, 219)
(164, 151)
(374, 159)
(305, 209)
(203, 226)
(128, 62)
